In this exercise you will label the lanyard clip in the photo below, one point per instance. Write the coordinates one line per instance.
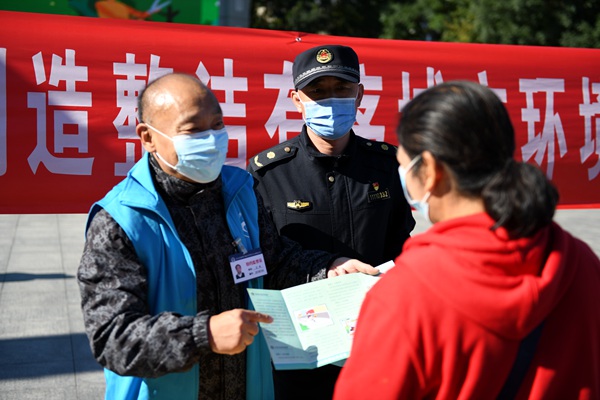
(239, 246)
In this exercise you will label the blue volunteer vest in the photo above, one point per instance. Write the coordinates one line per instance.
(136, 206)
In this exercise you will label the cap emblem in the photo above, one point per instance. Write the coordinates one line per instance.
(324, 56)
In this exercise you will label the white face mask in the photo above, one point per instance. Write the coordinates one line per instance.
(420, 205)
(200, 155)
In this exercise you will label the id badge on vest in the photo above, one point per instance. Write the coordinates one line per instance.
(247, 265)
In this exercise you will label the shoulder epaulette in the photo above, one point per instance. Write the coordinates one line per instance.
(380, 147)
(273, 155)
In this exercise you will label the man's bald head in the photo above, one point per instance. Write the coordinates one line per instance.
(159, 93)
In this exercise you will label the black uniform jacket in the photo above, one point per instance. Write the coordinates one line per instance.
(350, 204)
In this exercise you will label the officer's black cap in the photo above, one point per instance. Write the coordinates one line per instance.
(327, 60)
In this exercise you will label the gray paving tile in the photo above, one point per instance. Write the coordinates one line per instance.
(4, 256)
(51, 299)
(36, 350)
(36, 262)
(8, 225)
(90, 390)
(583, 224)
(7, 238)
(57, 393)
(73, 227)
(38, 245)
(48, 380)
(22, 326)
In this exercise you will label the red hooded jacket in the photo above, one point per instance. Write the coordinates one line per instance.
(447, 320)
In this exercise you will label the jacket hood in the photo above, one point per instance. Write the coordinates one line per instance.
(492, 279)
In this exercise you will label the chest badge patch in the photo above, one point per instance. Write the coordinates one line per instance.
(299, 205)
(376, 194)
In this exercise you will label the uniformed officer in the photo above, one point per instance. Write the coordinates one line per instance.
(330, 189)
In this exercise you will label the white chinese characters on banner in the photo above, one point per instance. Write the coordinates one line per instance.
(68, 107)
(369, 105)
(590, 111)
(278, 120)
(229, 83)
(433, 78)
(538, 144)
(136, 77)
(501, 93)
(68, 110)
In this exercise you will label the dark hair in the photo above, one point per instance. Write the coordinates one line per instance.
(465, 126)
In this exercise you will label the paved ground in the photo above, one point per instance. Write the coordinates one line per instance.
(44, 353)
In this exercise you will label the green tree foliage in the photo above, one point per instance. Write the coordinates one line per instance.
(573, 23)
(439, 20)
(539, 22)
(358, 18)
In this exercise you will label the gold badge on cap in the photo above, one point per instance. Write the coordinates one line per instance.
(324, 56)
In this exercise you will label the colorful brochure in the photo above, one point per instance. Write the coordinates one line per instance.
(314, 323)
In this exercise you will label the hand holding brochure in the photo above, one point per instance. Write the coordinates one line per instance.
(313, 324)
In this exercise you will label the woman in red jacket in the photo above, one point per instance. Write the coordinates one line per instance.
(448, 320)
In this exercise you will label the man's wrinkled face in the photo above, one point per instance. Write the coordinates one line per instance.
(179, 106)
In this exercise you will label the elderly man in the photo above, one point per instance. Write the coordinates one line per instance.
(161, 307)
(328, 188)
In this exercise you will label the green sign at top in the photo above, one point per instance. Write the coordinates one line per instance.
(204, 12)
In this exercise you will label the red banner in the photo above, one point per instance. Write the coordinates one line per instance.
(68, 88)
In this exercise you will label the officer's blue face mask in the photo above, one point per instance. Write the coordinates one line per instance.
(420, 205)
(330, 118)
(200, 155)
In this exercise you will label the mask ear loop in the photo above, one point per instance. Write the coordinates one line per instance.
(404, 173)
(421, 205)
(159, 132)
(412, 163)
(166, 162)
(156, 151)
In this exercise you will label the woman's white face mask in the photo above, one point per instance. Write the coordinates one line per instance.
(420, 205)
